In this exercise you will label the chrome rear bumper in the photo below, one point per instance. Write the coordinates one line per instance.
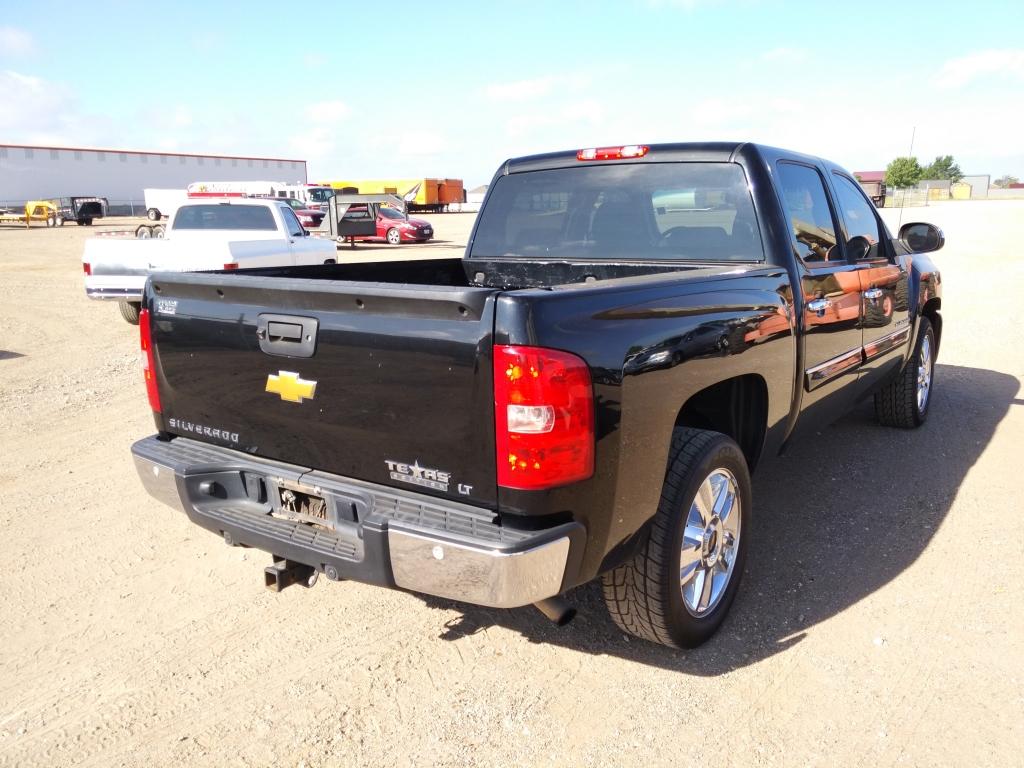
(397, 539)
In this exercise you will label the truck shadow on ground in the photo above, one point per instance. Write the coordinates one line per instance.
(839, 516)
(6, 355)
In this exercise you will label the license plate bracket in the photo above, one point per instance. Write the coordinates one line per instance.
(303, 504)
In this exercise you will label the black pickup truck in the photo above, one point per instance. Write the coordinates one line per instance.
(583, 395)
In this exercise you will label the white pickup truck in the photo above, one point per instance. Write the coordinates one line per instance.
(201, 235)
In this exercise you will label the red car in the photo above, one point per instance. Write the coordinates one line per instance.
(309, 218)
(394, 227)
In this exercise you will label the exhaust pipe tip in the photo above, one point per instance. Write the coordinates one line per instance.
(557, 609)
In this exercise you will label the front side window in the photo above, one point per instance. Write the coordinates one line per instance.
(812, 227)
(859, 215)
(647, 211)
(206, 217)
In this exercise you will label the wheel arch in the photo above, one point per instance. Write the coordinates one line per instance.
(737, 407)
(931, 311)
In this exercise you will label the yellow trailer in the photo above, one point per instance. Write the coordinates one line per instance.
(40, 210)
(419, 194)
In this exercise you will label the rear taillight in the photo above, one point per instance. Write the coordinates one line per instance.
(87, 267)
(148, 366)
(232, 265)
(544, 417)
(612, 153)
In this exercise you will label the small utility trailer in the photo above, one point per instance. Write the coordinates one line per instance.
(352, 215)
(35, 210)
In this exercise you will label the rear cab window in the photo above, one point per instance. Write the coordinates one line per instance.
(220, 216)
(682, 211)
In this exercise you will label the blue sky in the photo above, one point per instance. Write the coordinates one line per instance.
(452, 89)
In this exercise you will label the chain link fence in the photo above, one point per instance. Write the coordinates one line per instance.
(906, 198)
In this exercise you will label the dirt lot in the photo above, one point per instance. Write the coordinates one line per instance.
(881, 620)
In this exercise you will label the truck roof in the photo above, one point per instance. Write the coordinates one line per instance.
(229, 200)
(711, 151)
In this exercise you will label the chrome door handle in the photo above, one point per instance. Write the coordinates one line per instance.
(873, 294)
(819, 306)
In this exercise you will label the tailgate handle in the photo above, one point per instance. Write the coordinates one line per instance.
(287, 335)
(284, 331)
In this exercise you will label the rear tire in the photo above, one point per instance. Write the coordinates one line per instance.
(130, 311)
(679, 586)
(159, 232)
(59, 221)
(904, 401)
(142, 232)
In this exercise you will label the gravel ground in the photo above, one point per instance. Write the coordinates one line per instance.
(881, 619)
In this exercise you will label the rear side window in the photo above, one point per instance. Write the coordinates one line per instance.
(812, 227)
(660, 211)
(246, 217)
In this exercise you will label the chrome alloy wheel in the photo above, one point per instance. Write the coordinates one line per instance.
(710, 544)
(924, 374)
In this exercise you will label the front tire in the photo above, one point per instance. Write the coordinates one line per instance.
(130, 311)
(393, 236)
(904, 401)
(679, 586)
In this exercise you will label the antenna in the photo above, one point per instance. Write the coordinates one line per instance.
(913, 130)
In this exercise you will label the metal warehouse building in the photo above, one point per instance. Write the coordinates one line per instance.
(29, 172)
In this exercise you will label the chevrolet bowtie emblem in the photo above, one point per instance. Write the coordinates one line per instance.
(290, 387)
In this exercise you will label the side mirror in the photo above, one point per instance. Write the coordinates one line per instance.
(921, 237)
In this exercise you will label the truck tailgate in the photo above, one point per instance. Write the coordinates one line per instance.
(388, 383)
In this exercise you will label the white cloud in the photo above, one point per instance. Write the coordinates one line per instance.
(317, 138)
(15, 42)
(785, 55)
(685, 5)
(46, 112)
(537, 88)
(1005, 63)
(419, 143)
(327, 111)
(520, 90)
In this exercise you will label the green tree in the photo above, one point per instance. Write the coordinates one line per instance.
(944, 167)
(903, 172)
(1005, 181)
